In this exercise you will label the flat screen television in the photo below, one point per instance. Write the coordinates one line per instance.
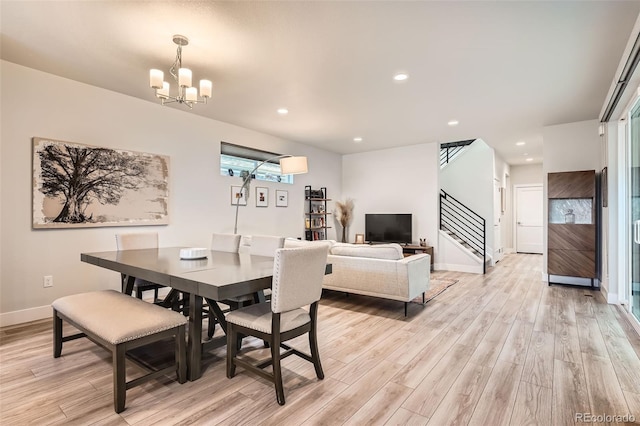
(388, 228)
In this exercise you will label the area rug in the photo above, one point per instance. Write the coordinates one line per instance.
(437, 286)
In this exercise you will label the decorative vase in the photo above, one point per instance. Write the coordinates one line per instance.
(344, 234)
(569, 217)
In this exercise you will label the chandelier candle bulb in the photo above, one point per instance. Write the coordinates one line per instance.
(155, 78)
(184, 77)
(191, 94)
(205, 88)
(164, 92)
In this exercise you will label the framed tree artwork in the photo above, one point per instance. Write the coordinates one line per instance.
(77, 186)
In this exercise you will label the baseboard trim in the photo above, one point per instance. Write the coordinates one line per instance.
(25, 315)
(510, 250)
(458, 268)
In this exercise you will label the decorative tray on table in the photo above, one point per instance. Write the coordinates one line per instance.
(193, 253)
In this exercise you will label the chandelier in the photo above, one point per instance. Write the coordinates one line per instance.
(187, 95)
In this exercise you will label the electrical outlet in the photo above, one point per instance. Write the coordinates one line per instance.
(47, 281)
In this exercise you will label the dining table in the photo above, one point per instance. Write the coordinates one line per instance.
(214, 277)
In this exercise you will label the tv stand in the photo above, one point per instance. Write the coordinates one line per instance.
(409, 249)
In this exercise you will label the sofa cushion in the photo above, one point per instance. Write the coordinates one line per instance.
(377, 251)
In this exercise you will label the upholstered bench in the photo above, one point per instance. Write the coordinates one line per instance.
(119, 323)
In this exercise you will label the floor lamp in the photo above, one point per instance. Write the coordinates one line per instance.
(289, 165)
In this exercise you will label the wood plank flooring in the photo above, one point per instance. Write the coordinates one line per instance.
(498, 349)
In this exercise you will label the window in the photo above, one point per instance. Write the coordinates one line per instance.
(234, 159)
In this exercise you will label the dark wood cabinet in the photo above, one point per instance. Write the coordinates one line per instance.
(572, 231)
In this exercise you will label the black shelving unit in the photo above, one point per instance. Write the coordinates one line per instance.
(316, 224)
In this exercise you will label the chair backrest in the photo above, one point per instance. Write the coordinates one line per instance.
(133, 241)
(297, 277)
(265, 245)
(225, 242)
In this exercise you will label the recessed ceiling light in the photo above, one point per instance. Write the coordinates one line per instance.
(357, 139)
(401, 76)
(529, 159)
(283, 111)
(453, 122)
(520, 143)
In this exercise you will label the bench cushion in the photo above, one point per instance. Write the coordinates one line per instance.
(117, 317)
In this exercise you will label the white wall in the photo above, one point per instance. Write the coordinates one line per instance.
(529, 174)
(568, 147)
(39, 104)
(397, 180)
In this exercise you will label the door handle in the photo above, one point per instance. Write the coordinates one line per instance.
(636, 232)
(519, 223)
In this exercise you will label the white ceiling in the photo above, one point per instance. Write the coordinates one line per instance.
(503, 69)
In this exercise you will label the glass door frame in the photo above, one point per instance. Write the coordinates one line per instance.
(624, 204)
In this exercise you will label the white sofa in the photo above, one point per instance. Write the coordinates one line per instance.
(374, 270)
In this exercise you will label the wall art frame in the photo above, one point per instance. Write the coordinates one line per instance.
(262, 196)
(237, 197)
(282, 198)
(78, 186)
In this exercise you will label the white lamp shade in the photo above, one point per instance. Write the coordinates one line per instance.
(293, 165)
(191, 94)
(205, 88)
(184, 77)
(164, 91)
(155, 78)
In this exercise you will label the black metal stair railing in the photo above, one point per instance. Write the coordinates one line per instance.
(465, 224)
(449, 150)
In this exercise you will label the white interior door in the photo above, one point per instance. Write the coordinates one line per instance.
(529, 207)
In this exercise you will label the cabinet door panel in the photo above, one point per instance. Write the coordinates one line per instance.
(572, 263)
(572, 184)
(572, 237)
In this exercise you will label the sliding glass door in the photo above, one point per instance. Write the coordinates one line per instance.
(634, 209)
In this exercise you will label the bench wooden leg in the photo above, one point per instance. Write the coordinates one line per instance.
(57, 335)
(119, 378)
(181, 355)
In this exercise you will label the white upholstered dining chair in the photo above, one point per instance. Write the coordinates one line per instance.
(265, 245)
(297, 282)
(229, 243)
(225, 242)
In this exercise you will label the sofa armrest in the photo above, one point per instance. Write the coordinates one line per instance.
(416, 271)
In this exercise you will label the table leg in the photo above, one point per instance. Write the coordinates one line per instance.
(217, 312)
(194, 343)
(127, 284)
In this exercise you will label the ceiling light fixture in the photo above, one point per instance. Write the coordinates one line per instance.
(453, 122)
(401, 76)
(520, 143)
(186, 95)
(283, 111)
(357, 139)
(529, 159)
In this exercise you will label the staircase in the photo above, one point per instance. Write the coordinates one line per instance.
(450, 150)
(464, 226)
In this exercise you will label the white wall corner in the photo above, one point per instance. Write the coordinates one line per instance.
(509, 250)
(25, 315)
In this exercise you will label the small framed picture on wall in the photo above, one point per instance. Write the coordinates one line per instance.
(282, 198)
(262, 196)
(237, 197)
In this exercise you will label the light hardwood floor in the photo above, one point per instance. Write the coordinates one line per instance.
(503, 348)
